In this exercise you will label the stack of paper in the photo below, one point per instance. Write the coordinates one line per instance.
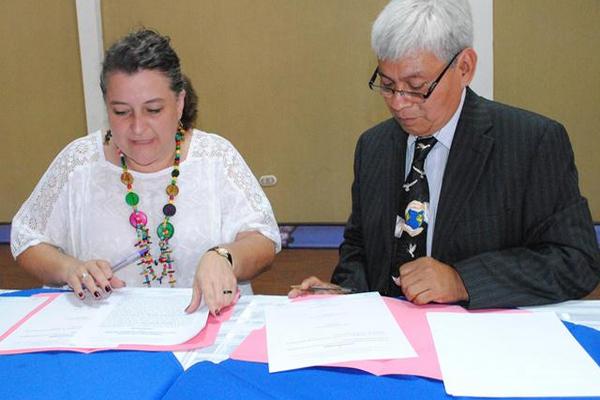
(495, 353)
(581, 312)
(332, 330)
(410, 318)
(131, 318)
(247, 316)
(511, 355)
(13, 309)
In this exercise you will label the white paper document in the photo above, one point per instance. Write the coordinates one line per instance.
(13, 309)
(582, 312)
(511, 355)
(331, 330)
(247, 316)
(130, 316)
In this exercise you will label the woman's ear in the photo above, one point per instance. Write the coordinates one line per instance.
(180, 102)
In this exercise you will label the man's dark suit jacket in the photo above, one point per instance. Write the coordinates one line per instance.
(510, 218)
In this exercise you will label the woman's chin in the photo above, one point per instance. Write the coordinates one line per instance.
(144, 164)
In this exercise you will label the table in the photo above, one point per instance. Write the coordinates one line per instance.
(236, 379)
(150, 375)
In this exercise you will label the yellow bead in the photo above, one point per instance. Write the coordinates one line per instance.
(172, 190)
(126, 178)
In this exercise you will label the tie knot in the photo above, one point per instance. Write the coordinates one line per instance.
(422, 147)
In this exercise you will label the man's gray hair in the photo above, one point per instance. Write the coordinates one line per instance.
(443, 27)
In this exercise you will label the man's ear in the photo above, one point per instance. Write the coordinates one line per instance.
(467, 64)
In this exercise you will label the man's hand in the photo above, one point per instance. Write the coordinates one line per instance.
(306, 285)
(427, 280)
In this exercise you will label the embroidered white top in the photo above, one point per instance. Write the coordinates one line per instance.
(79, 206)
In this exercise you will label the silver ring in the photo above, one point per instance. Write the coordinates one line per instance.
(84, 276)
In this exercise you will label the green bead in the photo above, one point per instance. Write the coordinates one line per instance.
(165, 230)
(132, 198)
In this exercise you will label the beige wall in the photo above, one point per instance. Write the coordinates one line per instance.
(547, 59)
(41, 95)
(285, 81)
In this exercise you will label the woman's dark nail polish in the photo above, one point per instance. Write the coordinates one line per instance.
(97, 294)
(80, 295)
(107, 289)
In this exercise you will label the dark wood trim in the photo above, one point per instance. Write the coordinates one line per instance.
(291, 266)
(11, 275)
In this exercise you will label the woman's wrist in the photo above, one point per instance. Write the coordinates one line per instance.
(225, 253)
(68, 267)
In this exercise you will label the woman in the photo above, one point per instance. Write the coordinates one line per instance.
(152, 184)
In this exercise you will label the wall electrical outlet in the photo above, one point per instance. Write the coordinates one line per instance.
(267, 180)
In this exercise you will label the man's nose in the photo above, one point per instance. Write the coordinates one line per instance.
(399, 101)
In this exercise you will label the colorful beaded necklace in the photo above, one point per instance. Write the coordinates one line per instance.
(165, 230)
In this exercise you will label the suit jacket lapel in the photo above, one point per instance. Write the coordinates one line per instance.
(468, 154)
(395, 179)
(397, 174)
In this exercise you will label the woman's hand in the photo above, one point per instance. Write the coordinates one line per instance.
(94, 276)
(53, 267)
(215, 281)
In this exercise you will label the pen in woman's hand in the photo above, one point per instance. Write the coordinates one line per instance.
(325, 289)
(133, 257)
(129, 259)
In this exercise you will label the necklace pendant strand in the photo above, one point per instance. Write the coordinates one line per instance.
(165, 230)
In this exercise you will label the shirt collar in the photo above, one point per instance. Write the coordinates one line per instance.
(446, 134)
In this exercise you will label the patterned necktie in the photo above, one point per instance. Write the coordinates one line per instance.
(411, 227)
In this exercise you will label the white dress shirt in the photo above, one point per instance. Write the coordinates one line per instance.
(435, 165)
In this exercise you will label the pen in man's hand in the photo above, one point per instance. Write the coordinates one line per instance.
(129, 259)
(319, 289)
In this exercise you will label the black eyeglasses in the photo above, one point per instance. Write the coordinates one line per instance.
(389, 92)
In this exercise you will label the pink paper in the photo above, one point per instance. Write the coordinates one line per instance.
(411, 319)
(413, 322)
(50, 297)
(205, 337)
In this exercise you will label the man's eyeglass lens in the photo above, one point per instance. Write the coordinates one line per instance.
(389, 92)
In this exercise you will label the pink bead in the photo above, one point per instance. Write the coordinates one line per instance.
(138, 218)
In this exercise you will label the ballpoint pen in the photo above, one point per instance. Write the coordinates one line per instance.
(317, 289)
(119, 265)
(129, 259)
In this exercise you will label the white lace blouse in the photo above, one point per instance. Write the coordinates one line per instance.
(79, 206)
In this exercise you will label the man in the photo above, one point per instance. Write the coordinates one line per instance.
(486, 214)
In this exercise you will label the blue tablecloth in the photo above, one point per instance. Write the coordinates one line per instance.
(104, 375)
(152, 375)
(237, 379)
